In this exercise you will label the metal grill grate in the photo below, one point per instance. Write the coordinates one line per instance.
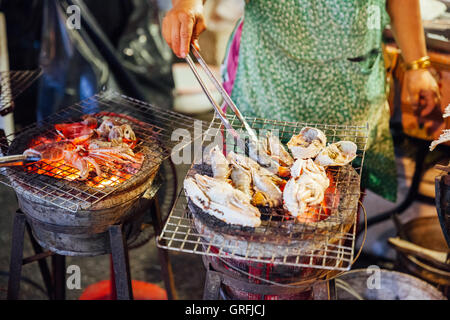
(12, 84)
(153, 127)
(280, 240)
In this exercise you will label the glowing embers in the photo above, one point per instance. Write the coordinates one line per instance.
(99, 153)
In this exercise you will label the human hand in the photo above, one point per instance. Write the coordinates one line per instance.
(182, 25)
(420, 90)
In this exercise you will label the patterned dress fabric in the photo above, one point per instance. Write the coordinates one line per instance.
(316, 61)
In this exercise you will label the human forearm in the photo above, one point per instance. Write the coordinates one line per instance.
(406, 25)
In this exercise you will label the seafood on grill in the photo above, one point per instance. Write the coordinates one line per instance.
(54, 151)
(337, 154)
(247, 164)
(85, 157)
(241, 177)
(308, 143)
(81, 160)
(219, 199)
(259, 152)
(77, 129)
(219, 164)
(274, 148)
(310, 168)
(109, 130)
(305, 189)
(121, 133)
(300, 195)
(262, 178)
(267, 193)
(89, 149)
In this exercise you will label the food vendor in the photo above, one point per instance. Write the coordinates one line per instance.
(318, 62)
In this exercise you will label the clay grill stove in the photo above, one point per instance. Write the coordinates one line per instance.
(62, 212)
(281, 259)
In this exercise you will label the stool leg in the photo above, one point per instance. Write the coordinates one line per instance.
(121, 265)
(59, 276)
(45, 271)
(15, 264)
(212, 286)
(332, 294)
(166, 266)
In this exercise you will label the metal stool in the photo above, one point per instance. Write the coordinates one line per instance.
(55, 281)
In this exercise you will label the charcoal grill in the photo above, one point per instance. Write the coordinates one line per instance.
(76, 217)
(152, 125)
(12, 84)
(281, 251)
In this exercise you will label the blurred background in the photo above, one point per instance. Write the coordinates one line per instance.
(120, 47)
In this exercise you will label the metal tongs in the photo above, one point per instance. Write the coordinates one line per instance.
(224, 94)
(18, 160)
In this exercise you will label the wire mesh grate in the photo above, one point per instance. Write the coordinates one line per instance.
(280, 240)
(153, 126)
(12, 84)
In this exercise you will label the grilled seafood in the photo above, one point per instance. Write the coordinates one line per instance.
(77, 129)
(221, 200)
(337, 154)
(308, 167)
(219, 164)
(114, 131)
(307, 144)
(48, 151)
(267, 193)
(259, 153)
(300, 194)
(105, 127)
(241, 177)
(248, 163)
(273, 147)
(82, 158)
(122, 133)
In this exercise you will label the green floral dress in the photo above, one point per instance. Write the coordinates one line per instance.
(319, 61)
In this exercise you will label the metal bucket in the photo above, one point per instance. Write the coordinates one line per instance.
(393, 285)
(425, 232)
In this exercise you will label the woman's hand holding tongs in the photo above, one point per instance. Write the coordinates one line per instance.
(183, 24)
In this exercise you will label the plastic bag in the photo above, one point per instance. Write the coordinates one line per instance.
(77, 64)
